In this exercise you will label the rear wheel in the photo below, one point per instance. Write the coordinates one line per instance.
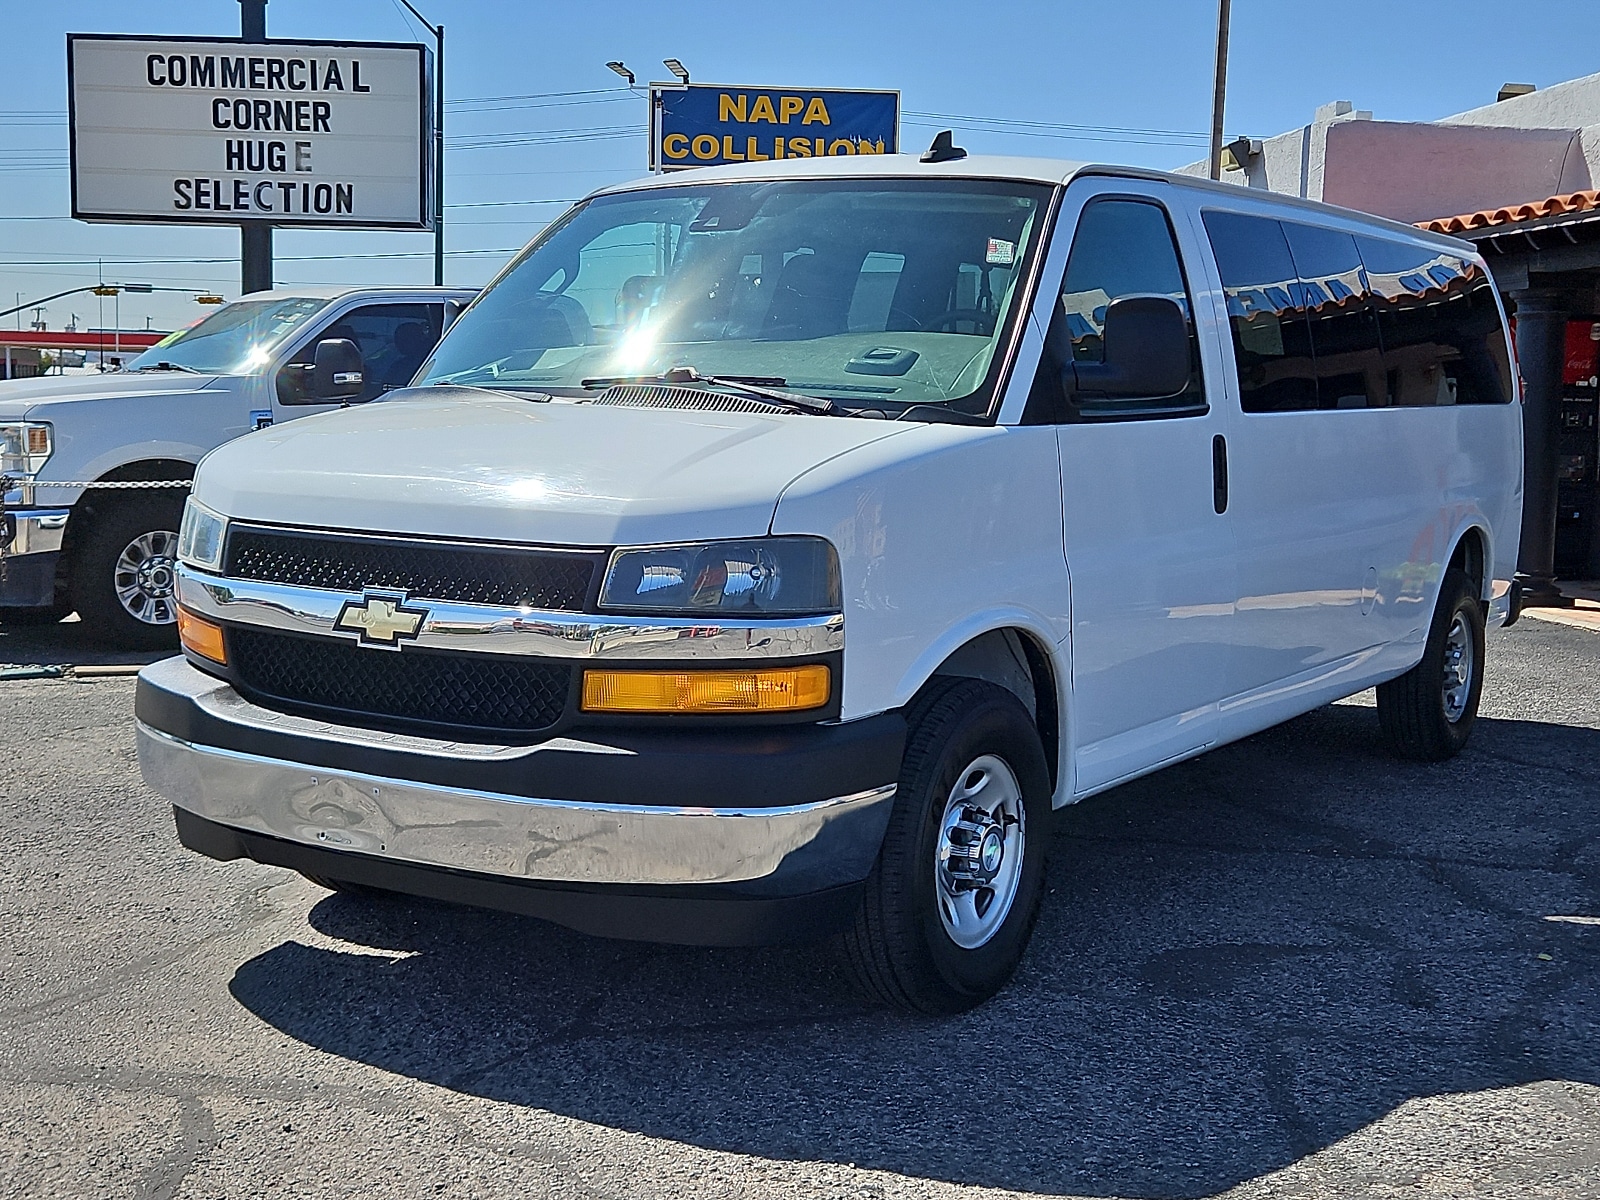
(124, 577)
(1427, 714)
(949, 906)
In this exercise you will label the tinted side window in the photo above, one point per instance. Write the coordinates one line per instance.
(1120, 248)
(1271, 335)
(1338, 304)
(1442, 338)
(394, 340)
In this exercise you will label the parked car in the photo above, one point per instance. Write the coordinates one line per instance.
(769, 549)
(108, 552)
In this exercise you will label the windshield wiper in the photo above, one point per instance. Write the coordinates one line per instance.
(164, 365)
(756, 387)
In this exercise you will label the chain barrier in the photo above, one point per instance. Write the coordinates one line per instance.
(6, 484)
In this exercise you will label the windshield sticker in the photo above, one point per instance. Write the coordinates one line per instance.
(260, 418)
(1001, 253)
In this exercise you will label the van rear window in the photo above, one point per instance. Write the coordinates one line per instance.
(1324, 320)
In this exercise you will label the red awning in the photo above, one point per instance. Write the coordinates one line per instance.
(60, 339)
(1555, 206)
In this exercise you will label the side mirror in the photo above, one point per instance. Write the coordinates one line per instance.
(1146, 352)
(336, 370)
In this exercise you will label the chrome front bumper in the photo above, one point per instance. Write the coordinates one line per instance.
(796, 847)
(35, 531)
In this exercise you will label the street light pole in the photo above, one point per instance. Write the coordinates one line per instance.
(1219, 93)
(438, 141)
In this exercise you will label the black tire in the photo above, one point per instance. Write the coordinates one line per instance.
(1425, 716)
(120, 520)
(47, 614)
(899, 946)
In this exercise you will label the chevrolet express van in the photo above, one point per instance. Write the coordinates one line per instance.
(106, 550)
(769, 549)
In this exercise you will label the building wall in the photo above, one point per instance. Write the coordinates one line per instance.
(1515, 151)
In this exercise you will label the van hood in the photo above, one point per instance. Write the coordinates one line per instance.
(466, 463)
(37, 399)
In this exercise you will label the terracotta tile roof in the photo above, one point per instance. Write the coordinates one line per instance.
(1555, 206)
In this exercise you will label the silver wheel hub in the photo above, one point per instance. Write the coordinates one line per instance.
(145, 577)
(1458, 667)
(980, 851)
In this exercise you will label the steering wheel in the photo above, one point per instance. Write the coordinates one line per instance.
(981, 320)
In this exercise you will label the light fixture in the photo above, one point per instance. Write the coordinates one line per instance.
(1238, 154)
(621, 70)
(677, 68)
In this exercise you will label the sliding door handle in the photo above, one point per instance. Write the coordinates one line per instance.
(1219, 473)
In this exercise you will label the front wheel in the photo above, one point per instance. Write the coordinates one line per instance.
(124, 578)
(1427, 713)
(949, 906)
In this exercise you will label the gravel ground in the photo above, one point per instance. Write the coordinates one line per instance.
(1290, 968)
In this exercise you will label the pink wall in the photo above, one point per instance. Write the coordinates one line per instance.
(1416, 172)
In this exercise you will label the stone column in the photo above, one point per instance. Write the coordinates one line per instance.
(1541, 353)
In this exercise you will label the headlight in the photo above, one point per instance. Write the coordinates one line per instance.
(776, 576)
(24, 447)
(200, 536)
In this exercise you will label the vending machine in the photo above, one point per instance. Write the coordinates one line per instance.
(1577, 449)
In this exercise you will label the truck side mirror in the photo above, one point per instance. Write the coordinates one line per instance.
(336, 370)
(1146, 352)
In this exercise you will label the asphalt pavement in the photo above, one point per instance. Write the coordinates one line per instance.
(1291, 968)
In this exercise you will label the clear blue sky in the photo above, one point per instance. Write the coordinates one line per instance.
(1124, 66)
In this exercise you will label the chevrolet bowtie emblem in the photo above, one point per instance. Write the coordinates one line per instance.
(381, 619)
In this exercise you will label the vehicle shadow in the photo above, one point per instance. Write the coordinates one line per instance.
(1240, 961)
(68, 643)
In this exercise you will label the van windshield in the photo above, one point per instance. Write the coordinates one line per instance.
(237, 339)
(875, 293)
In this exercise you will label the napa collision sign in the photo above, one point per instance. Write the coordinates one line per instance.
(219, 131)
(705, 125)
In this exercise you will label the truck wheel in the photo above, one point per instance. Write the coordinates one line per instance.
(1427, 713)
(950, 903)
(123, 580)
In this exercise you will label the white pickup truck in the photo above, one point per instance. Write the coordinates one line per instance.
(107, 552)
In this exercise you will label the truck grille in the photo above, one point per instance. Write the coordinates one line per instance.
(419, 691)
(427, 570)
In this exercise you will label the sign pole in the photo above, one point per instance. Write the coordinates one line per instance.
(255, 237)
(438, 162)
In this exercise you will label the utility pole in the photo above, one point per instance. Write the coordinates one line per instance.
(1220, 95)
(255, 237)
(438, 141)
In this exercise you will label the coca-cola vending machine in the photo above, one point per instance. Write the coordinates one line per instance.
(1577, 449)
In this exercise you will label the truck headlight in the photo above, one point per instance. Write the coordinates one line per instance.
(201, 535)
(25, 446)
(758, 577)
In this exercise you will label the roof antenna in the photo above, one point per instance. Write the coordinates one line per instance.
(943, 149)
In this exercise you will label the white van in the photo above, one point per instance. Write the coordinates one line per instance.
(768, 550)
(106, 550)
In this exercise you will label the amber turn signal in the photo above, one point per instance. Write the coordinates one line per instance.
(778, 689)
(201, 636)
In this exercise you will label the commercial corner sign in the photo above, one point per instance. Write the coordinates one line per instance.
(704, 125)
(204, 131)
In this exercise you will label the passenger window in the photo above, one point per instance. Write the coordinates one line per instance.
(1271, 335)
(1344, 329)
(1121, 248)
(394, 340)
(1442, 337)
